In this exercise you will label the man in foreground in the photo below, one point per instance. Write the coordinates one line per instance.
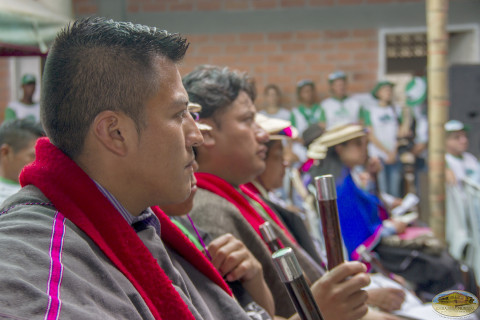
(79, 240)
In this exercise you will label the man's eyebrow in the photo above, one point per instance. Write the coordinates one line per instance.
(180, 102)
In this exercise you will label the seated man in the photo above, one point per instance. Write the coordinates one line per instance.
(461, 163)
(17, 149)
(79, 240)
(234, 154)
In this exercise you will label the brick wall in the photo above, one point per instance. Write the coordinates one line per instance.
(4, 86)
(285, 58)
(238, 5)
(282, 58)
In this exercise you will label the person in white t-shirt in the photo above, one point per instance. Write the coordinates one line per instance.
(460, 162)
(385, 119)
(273, 103)
(17, 142)
(307, 113)
(339, 108)
(26, 108)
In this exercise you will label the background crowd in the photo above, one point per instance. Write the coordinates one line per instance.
(249, 172)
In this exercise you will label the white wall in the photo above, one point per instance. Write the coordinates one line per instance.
(18, 67)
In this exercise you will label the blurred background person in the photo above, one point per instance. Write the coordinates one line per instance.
(17, 142)
(26, 108)
(461, 163)
(308, 112)
(385, 120)
(339, 108)
(273, 103)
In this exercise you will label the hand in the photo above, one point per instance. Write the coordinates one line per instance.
(387, 299)
(398, 225)
(233, 260)
(391, 157)
(396, 202)
(374, 165)
(379, 315)
(338, 293)
(450, 177)
(399, 279)
(418, 148)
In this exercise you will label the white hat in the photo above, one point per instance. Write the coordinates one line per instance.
(332, 137)
(277, 128)
(455, 125)
(196, 108)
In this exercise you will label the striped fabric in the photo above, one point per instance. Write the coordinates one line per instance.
(56, 268)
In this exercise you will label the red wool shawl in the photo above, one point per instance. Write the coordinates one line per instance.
(77, 197)
(225, 190)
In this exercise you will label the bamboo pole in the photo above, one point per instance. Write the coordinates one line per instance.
(438, 102)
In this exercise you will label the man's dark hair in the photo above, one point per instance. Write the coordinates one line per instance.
(215, 88)
(19, 133)
(95, 65)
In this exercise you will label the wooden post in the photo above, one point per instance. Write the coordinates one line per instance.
(438, 102)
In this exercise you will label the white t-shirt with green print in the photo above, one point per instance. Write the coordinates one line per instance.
(465, 166)
(343, 111)
(18, 110)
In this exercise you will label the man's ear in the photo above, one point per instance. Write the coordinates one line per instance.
(209, 135)
(5, 150)
(112, 130)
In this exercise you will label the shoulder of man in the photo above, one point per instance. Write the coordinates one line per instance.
(50, 267)
(216, 215)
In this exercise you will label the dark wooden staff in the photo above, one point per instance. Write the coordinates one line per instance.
(270, 237)
(328, 211)
(292, 277)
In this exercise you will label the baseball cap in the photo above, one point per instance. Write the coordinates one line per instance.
(28, 78)
(381, 84)
(455, 125)
(305, 82)
(336, 75)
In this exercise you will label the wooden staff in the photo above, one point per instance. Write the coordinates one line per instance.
(292, 277)
(328, 210)
(270, 237)
(438, 101)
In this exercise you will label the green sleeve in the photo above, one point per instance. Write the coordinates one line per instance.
(10, 114)
(364, 115)
(323, 116)
(292, 119)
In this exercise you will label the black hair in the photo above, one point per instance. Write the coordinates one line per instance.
(215, 88)
(274, 87)
(302, 84)
(95, 65)
(19, 133)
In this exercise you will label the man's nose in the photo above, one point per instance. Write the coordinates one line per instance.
(261, 135)
(193, 135)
